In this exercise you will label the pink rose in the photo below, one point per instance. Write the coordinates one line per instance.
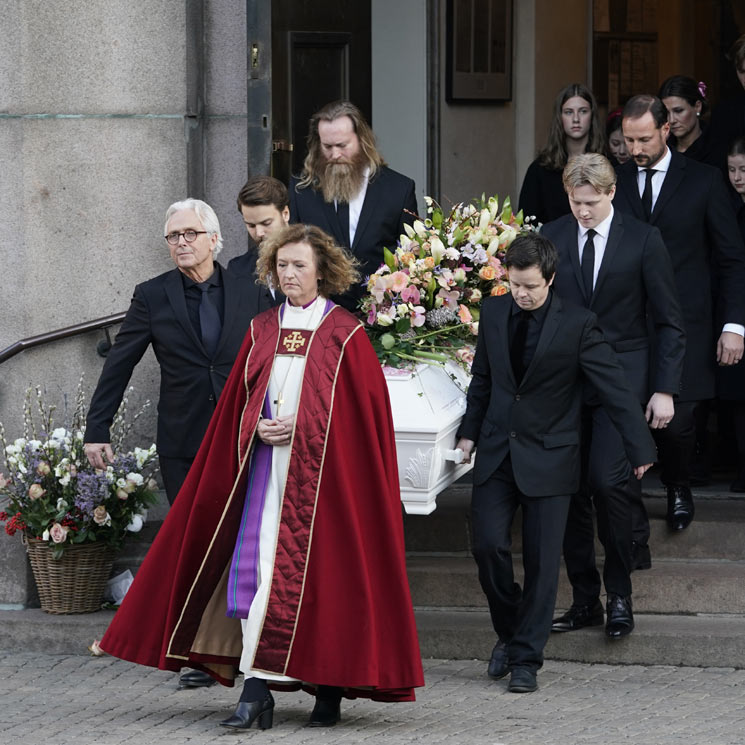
(43, 468)
(35, 491)
(121, 494)
(100, 516)
(58, 533)
(3, 481)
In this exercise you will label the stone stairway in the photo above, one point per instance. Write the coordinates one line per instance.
(689, 608)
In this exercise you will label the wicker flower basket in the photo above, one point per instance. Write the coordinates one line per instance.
(74, 583)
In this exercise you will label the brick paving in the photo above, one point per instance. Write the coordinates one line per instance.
(66, 699)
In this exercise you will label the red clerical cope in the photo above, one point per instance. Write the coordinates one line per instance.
(339, 610)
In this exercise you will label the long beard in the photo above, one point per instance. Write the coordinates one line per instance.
(342, 182)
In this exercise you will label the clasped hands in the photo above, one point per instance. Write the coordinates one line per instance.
(277, 431)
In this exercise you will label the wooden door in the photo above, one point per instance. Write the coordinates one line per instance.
(321, 52)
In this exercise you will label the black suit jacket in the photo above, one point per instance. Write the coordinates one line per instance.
(635, 277)
(698, 226)
(390, 201)
(190, 381)
(259, 295)
(538, 421)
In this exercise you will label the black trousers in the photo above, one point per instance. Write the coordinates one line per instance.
(521, 616)
(173, 471)
(676, 444)
(609, 484)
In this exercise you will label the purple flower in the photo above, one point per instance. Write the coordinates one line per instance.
(90, 491)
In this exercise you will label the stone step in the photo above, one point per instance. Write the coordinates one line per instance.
(672, 587)
(697, 641)
(716, 532)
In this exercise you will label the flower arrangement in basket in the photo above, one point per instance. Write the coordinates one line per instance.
(422, 305)
(51, 492)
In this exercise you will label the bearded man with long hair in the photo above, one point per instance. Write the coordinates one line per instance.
(346, 189)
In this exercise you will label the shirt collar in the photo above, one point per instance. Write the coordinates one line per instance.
(662, 164)
(214, 279)
(602, 228)
(538, 313)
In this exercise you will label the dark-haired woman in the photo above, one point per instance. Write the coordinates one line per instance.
(685, 99)
(575, 128)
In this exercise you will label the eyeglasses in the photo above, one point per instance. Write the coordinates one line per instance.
(189, 236)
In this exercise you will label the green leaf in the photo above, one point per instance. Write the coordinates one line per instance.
(388, 341)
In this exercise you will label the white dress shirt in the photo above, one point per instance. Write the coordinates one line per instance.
(355, 207)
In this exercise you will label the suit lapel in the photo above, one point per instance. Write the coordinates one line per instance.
(611, 246)
(369, 205)
(550, 327)
(673, 177)
(628, 180)
(333, 220)
(174, 287)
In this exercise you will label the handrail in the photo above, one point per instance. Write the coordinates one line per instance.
(78, 328)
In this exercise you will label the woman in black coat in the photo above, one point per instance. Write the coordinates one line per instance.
(575, 128)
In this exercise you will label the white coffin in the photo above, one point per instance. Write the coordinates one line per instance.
(427, 408)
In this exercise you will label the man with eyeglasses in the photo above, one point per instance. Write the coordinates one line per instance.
(195, 316)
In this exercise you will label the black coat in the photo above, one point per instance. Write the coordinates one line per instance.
(538, 421)
(635, 277)
(697, 223)
(542, 194)
(390, 201)
(190, 381)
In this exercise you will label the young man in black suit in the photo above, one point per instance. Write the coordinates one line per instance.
(617, 267)
(532, 358)
(688, 202)
(347, 190)
(264, 206)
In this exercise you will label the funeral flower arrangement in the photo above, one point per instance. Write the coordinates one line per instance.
(51, 492)
(422, 305)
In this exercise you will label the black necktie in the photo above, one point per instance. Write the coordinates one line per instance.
(588, 263)
(209, 320)
(342, 212)
(647, 194)
(517, 348)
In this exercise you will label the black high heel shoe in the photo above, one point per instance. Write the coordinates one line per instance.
(249, 711)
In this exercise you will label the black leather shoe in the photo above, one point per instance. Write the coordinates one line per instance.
(579, 616)
(641, 558)
(680, 509)
(195, 679)
(620, 617)
(247, 712)
(522, 680)
(498, 666)
(327, 711)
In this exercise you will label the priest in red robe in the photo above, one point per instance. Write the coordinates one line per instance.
(283, 556)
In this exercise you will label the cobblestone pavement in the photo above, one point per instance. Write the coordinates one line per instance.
(103, 701)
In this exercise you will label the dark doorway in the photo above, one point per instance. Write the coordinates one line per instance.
(321, 52)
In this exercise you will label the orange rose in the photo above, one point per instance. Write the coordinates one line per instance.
(499, 290)
(487, 273)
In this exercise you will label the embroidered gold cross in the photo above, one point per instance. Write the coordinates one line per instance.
(293, 341)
